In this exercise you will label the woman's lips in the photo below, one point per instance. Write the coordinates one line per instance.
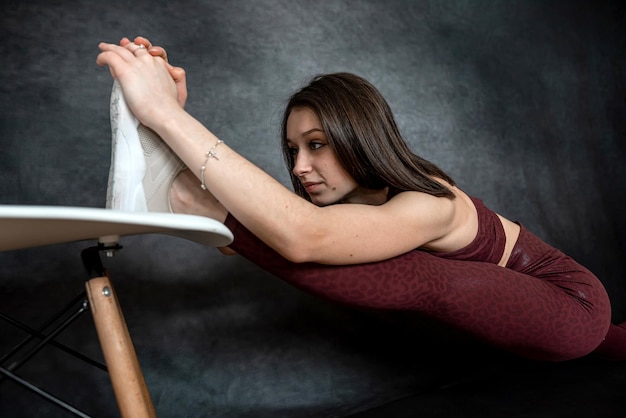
(310, 186)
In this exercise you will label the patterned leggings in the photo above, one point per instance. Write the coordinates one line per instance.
(542, 306)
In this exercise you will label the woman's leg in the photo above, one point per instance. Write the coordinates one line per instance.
(613, 346)
(535, 318)
(186, 196)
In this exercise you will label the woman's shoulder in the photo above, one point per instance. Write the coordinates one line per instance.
(456, 219)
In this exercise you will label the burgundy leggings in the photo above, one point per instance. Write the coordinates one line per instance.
(543, 306)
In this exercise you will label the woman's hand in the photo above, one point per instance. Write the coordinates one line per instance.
(149, 89)
(178, 74)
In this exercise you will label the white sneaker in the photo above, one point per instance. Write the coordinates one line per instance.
(143, 166)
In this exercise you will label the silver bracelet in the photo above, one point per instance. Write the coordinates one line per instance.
(209, 154)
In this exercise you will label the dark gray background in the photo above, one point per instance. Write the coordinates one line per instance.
(523, 102)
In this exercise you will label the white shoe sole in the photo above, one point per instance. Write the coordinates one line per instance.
(143, 167)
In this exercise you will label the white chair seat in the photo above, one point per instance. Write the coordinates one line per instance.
(32, 226)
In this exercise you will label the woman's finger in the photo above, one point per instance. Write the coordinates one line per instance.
(157, 51)
(136, 48)
(140, 40)
(113, 60)
(123, 52)
(179, 76)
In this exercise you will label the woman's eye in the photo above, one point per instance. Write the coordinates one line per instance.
(293, 151)
(315, 145)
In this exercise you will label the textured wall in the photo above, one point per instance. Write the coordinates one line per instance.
(521, 101)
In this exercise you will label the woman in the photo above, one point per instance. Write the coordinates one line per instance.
(371, 224)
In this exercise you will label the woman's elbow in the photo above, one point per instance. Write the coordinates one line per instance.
(305, 246)
(296, 254)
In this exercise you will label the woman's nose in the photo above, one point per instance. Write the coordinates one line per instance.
(302, 164)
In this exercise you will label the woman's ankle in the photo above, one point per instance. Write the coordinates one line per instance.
(187, 197)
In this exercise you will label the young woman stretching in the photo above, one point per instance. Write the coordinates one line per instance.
(370, 223)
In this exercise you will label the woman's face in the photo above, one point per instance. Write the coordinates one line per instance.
(316, 165)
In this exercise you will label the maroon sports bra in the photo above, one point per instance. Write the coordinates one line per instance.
(488, 246)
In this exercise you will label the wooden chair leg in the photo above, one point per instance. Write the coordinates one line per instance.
(127, 379)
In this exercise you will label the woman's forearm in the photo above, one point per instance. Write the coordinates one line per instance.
(265, 206)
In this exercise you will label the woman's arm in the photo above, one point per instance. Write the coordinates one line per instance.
(297, 229)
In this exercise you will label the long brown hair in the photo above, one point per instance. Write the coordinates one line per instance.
(362, 131)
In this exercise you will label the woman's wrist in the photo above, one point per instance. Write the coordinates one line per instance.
(191, 141)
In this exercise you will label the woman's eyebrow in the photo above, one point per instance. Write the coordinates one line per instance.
(310, 131)
(305, 133)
